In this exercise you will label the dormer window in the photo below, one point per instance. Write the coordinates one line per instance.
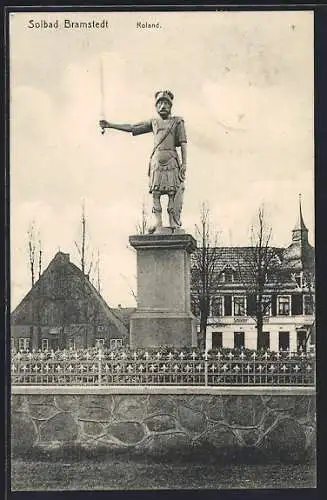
(298, 278)
(228, 274)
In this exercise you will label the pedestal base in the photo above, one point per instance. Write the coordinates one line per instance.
(154, 329)
(163, 315)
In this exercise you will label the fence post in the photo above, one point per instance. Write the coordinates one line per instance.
(206, 368)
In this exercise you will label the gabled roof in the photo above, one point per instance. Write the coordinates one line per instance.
(235, 257)
(61, 265)
(242, 261)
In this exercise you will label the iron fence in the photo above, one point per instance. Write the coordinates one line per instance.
(173, 367)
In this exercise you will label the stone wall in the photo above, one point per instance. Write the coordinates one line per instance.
(259, 422)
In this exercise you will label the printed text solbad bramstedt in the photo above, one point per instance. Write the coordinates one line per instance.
(68, 23)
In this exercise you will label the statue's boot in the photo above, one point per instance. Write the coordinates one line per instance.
(172, 221)
(157, 223)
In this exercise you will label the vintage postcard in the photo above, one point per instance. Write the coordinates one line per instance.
(162, 250)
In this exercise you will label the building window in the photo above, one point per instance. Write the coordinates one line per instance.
(239, 306)
(298, 277)
(238, 340)
(284, 341)
(266, 340)
(217, 306)
(54, 343)
(116, 343)
(229, 276)
(45, 344)
(228, 305)
(71, 344)
(99, 343)
(251, 304)
(283, 305)
(308, 304)
(296, 304)
(24, 344)
(266, 305)
(301, 340)
(217, 340)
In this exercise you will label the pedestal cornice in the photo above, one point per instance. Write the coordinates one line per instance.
(172, 241)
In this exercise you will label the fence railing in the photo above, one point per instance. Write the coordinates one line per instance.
(195, 368)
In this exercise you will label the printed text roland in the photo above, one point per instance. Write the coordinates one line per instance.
(146, 25)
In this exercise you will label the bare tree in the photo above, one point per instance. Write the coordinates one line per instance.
(35, 264)
(40, 258)
(132, 292)
(88, 265)
(143, 226)
(206, 278)
(31, 241)
(260, 272)
(98, 272)
(83, 247)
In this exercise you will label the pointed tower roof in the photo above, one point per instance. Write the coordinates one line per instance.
(300, 254)
(299, 227)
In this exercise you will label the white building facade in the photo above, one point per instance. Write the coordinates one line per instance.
(289, 320)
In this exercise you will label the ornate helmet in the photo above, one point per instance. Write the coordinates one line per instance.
(164, 94)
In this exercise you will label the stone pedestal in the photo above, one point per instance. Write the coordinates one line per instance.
(163, 315)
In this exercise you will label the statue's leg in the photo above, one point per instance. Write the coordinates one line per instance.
(170, 210)
(157, 211)
(178, 204)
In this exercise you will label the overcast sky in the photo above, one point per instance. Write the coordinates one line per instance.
(243, 81)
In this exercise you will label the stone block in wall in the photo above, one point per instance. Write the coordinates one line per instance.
(161, 404)
(281, 403)
(95, 401)
(42, 411)
(41, 399)
(95, 414)
(286, 440)
(270, 419)
(19, 403)
(221, 437)
(23, 433)
(61, 427)
(133, 406)
(243, 411)
(93, 428)
(198, 402)
(191, 420)
(214, 408)
(128, 433)
(160, 423)
(249, 437)
(67, 402)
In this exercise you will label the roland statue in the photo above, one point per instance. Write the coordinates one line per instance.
(166, 167)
